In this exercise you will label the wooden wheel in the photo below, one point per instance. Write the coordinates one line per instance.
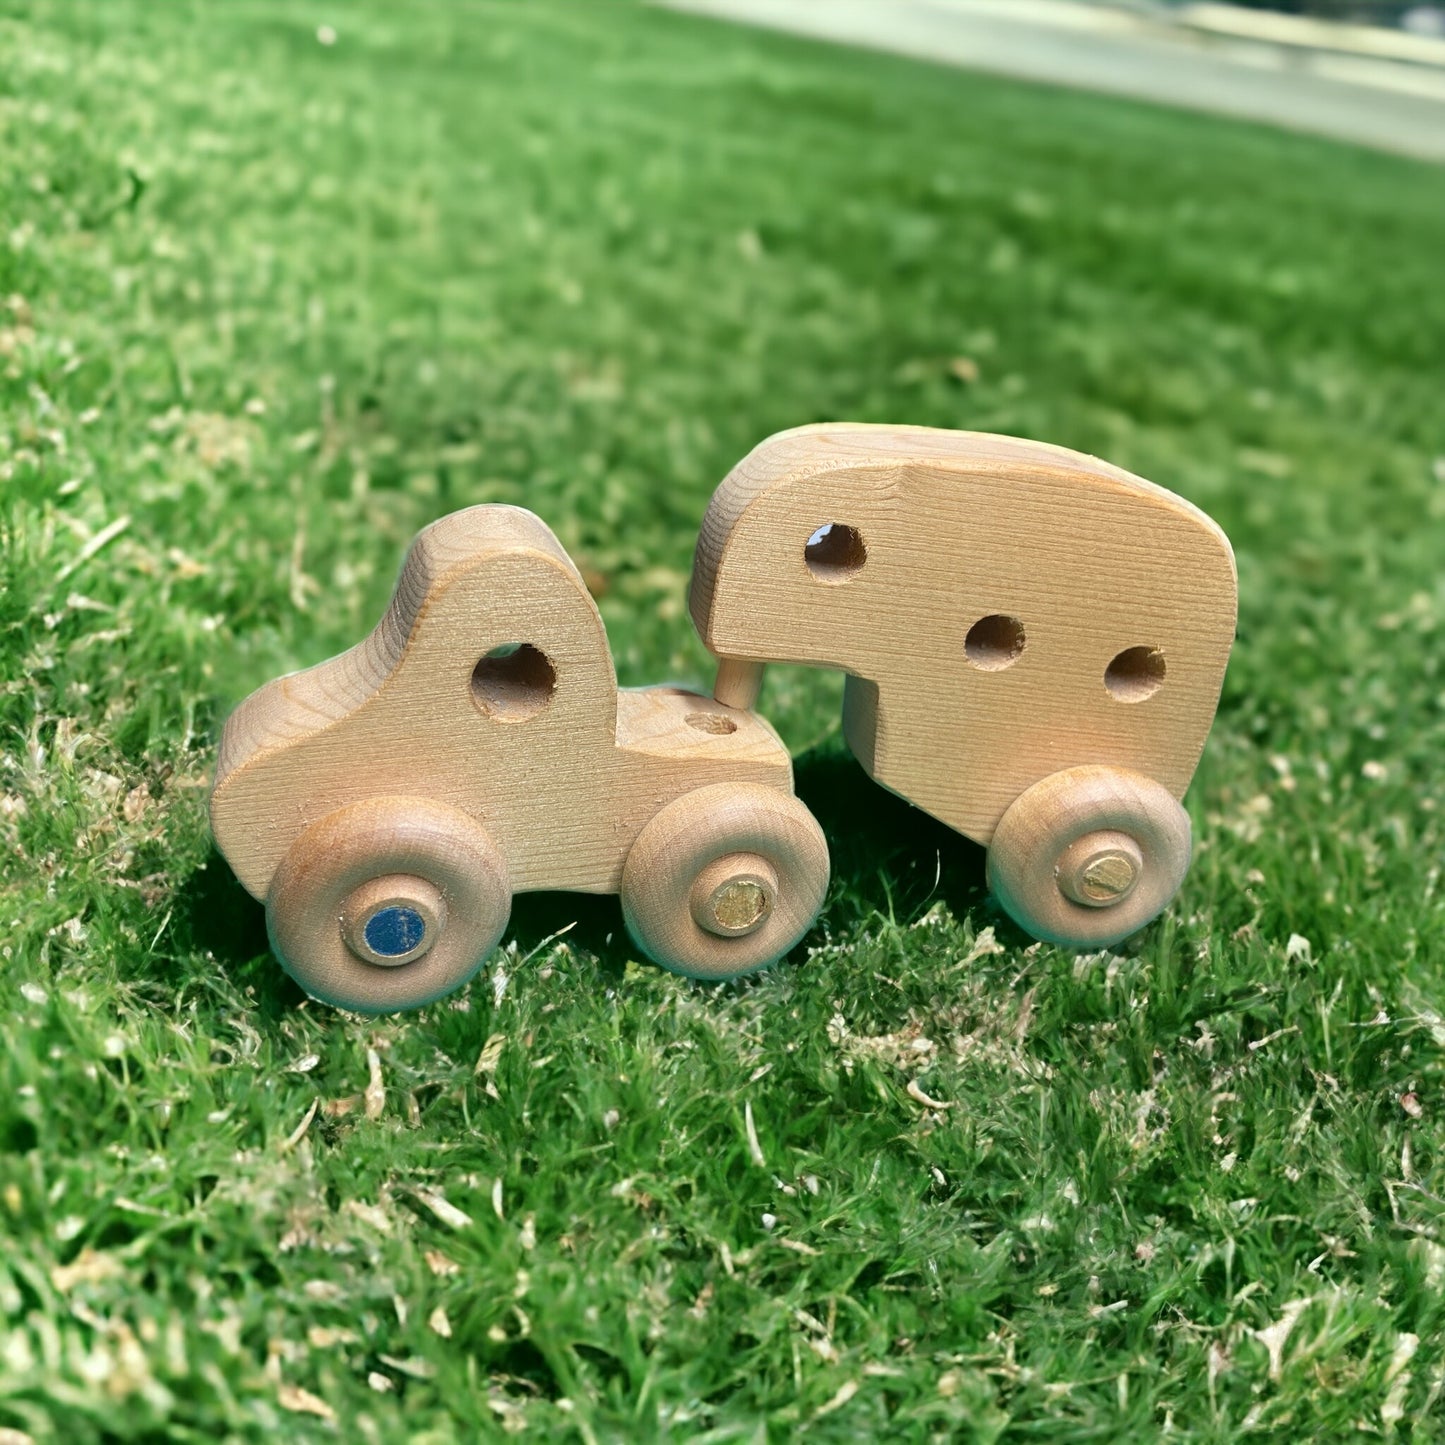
(388, 904)
(1089, 855)
(724, 880)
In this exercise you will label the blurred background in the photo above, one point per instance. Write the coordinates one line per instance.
(1370, 73)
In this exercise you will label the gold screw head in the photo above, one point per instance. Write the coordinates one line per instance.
(740, 905)
(1100, 870)
(734, 895)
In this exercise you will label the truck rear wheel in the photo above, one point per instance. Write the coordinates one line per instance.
(725, 880)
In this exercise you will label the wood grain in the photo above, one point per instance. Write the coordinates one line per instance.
(563, 792)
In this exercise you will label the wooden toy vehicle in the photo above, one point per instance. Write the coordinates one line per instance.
(1035, 643)
(387, 804)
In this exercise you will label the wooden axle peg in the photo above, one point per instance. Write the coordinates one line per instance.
(393, 920)
(734, 894)
(738, 683)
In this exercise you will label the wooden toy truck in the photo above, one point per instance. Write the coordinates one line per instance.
(1035, 643)
(387, 804)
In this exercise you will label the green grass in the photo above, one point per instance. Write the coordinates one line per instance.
(267, 307)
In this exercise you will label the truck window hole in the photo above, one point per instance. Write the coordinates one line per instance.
(513, 682)
(994, 642)
(835, 552)
(1137, 673)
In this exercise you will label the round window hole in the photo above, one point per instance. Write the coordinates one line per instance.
(711, 722)
(1137, 673)
(994, 642)
(835, 552)
(513, 682)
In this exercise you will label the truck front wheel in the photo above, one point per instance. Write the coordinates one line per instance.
(388, 904)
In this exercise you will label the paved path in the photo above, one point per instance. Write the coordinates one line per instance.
(1387, 106)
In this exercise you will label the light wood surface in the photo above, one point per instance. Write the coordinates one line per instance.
(488, 691)
(1004, 609)
(738, 682)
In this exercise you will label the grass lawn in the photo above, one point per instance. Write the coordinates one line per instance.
(269, 305)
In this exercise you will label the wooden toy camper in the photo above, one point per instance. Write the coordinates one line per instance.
(388, 803)
(1035, 643)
